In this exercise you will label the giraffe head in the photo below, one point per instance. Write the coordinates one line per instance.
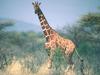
(36, 7)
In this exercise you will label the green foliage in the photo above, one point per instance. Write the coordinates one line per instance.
(5, 54)
(86, 35)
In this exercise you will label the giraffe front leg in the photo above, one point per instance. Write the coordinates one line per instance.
(52, 52)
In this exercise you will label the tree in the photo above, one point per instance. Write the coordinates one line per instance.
(86, 35)
(4, 52)
(6, 23)
(86, 31)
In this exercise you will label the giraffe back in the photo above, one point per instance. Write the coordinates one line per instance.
(65, 44)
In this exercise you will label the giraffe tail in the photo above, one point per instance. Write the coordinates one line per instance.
(81, 59)
(81, 62)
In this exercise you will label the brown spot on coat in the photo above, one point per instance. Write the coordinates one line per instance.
(45, 32)
(43, 27)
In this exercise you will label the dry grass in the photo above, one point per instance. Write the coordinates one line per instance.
(19, 67)
(16, 68)
(43, 70)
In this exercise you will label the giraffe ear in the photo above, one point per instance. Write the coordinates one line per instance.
(40, 3)
(33, 3)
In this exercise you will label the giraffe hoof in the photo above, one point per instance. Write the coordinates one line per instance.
(68, 68)
(49, 66)
(73, 67)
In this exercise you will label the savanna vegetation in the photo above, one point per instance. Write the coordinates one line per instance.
(24, 53)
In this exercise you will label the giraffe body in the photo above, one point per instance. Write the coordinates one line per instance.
(53, 39)
(66, 45)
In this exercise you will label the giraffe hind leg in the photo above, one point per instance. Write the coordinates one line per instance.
(68, 57)
(70, 67)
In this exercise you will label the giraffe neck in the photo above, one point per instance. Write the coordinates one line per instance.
(44, 24)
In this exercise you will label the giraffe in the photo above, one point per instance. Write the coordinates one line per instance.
(53, 39)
